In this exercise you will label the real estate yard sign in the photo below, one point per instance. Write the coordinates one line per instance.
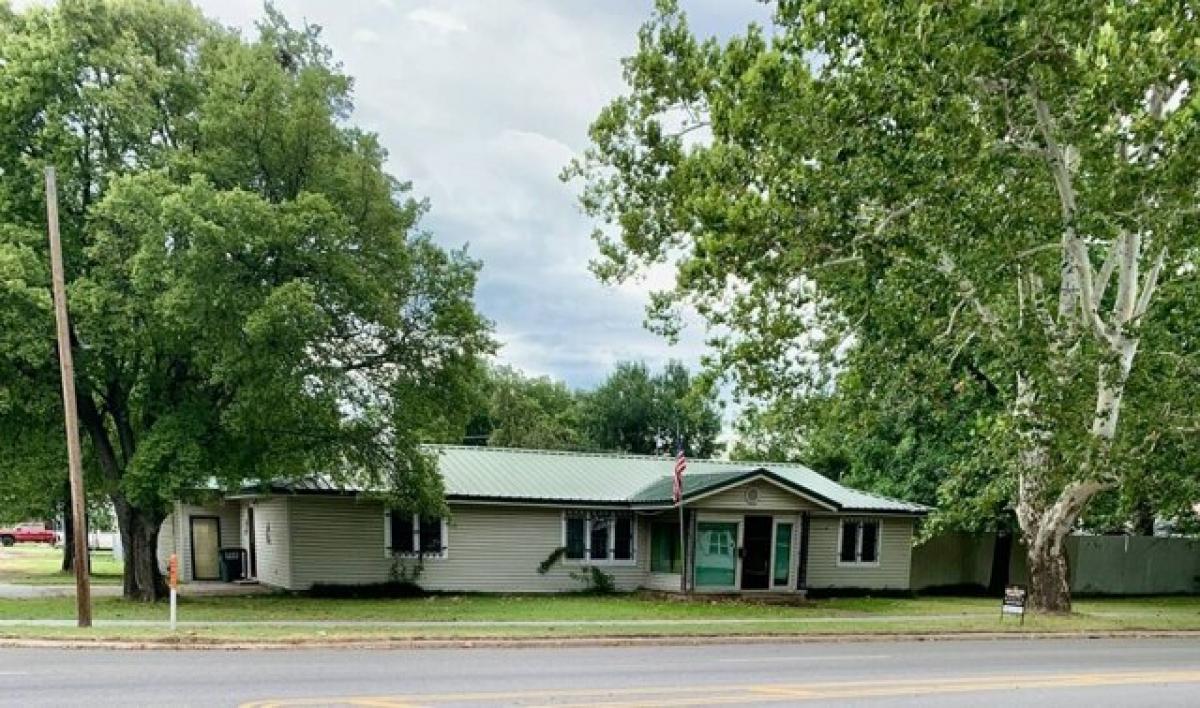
(1014, 602)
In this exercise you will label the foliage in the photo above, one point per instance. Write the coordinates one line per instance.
(251, 294)
(552, 560)
(992, 197)
(632, 411)
(595, 581)
(922, 433)
(516, 410)
(635, 411)
(403, 572)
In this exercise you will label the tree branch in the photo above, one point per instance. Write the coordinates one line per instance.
(946, 266)
(93, 423)
(1076, 292)
(1143, 301)
(1106, 271)
(1127, 278)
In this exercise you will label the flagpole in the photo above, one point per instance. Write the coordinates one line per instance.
(683, 565)
(683, 587)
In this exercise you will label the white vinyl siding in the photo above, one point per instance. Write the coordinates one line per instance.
(767, 496)
(181, 525)
(498, 549)
(272, 535)
(303, 540)
(495, 549)
(336, 540)
(890, 572)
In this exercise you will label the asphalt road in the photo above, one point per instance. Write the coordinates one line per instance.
(1091, 673)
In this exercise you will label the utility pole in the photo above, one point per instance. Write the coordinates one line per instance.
(83, 589)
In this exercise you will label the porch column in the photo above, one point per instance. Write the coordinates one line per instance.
(689, 551)
(802, 571)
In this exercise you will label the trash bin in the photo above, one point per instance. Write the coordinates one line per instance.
(233, 564)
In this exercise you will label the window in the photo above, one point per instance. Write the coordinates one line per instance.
(575, 538)
(598, 548)
(623, 538)
(719, 544)
(403, 537)
(664, 548)
(868, 549)
(859, 542)
(430, 536)
(783, 554)
(410, 534)
(599, 536)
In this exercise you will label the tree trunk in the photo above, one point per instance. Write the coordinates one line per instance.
(139, 540)
(1049, 577)
(1143, 518)
(1046, 530)
(68, 532)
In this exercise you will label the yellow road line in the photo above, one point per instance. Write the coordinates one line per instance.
(754, 693)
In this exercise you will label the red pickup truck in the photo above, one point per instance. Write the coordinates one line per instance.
(27, 533)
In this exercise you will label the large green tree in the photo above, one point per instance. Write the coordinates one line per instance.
(643, 413)
(517, 410)
(251, 295)
(1009, 187)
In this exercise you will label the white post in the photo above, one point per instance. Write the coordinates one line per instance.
(173, 609)
(683, 564)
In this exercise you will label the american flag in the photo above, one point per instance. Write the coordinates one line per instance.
(680, 468)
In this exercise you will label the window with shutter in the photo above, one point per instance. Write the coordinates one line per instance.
(402, 533)
(869, 545)
(849, 550)
(431, 536)
(575, 538)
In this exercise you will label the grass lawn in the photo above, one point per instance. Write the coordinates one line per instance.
(614, 616)
(38, 564)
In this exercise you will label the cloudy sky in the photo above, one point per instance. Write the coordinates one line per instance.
(481, 103)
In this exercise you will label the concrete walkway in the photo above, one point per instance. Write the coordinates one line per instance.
(9, 591)
(484, 624)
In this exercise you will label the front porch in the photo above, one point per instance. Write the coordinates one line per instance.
(757, 535)
(763, 553)
(216, 543)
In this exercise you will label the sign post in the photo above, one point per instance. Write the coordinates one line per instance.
(173, 581)
(1015, 597)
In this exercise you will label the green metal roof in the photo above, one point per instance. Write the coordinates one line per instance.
(599, 478)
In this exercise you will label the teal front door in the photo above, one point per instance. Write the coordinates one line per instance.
(716, 554)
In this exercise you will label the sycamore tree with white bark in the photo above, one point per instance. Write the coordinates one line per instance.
(1006, 189)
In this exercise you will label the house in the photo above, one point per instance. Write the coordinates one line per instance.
(751, 527)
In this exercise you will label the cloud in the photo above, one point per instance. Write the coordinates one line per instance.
(437, 19)
(482, 114)
(365, 36)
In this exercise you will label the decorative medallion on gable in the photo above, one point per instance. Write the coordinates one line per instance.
(751, 495)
